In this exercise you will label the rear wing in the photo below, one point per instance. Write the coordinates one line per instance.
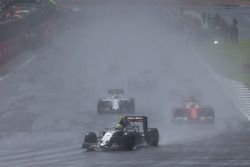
(136, 118)
(142, 119)
(115, 91)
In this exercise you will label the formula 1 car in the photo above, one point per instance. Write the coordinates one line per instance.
(125, 136)
(192, 111)
(144, 80)
(116, 103)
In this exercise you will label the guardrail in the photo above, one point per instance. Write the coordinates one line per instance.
(9, 47)
(13, 34)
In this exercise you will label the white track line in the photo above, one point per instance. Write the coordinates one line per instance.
(41, 157)
(39, 153)
(18, 68)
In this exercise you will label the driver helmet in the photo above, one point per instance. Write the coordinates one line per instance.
(115, 97)
(118, 127)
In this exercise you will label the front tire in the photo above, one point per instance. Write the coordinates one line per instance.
(128, 141)
(89, 138)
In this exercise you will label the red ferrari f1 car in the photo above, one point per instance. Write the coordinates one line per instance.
(192, 111)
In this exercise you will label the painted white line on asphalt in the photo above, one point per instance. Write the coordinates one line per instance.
(242, 89)
(18, 68)
(244, 94)
(239, 86)
(4, 77)
(245, 100)
(39, 154)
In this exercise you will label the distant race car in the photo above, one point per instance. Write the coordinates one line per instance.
(145, 80)
(192, 111)
(130, 132)
(116, 103)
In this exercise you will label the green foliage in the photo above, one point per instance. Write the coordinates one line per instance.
(229, 60)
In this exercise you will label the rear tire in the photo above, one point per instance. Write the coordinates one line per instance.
(153, 137)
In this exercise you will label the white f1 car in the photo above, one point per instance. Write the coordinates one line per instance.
(116, 103)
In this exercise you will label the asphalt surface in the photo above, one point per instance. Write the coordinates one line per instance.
(48, 98)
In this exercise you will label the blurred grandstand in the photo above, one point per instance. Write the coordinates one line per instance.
(23, 22)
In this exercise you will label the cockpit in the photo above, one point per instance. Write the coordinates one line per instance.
(115, 97)
(191, 102)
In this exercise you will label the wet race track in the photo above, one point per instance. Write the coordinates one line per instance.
(48, 98)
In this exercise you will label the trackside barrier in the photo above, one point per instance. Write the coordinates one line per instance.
(9, 47)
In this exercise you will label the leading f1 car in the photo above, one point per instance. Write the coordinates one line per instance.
(130, 132)
(116, 102)
(192, 111)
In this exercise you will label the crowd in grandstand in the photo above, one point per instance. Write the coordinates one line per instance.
(209, 27)
(18, 9)
(220, 28)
